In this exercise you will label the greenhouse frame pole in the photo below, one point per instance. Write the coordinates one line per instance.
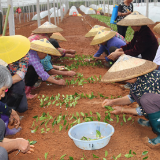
(54, 12)
(11, 18)
(61, 10)
(48, 11)
(38, 14)
(23, 12)
(29, 12)
(33, 9)
(104, 6)
(57, 13)
(147, 8)
(108, 8)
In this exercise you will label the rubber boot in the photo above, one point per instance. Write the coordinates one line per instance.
(14, 100)
(154, 119)
(144, 123)
(28, 92)
(9, 131)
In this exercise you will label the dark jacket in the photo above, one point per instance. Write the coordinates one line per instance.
(144, 42)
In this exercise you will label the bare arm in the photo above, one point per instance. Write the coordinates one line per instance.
(16, 144)
(118, 101)
(16, 78)
(53, 80)
(124, 14)
(120, 110)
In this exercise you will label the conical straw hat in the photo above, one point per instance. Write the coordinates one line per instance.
(43, 45)
(135, 19)
(128, 67)
(95, 30)
(13, 48)
(58, 36)
(102, 36)
(157, 28)
(47, 27)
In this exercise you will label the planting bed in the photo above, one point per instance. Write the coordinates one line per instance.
(52, 139)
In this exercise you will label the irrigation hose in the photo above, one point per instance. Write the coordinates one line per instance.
(6, 20)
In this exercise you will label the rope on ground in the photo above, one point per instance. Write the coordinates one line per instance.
(86, 21)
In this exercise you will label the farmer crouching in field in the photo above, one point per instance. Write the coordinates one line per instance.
(144, 83)
(108, 43)
(14, 51)
(45, 31)
(39, 50)
(53, 69)
(144, 42)
(8, 145)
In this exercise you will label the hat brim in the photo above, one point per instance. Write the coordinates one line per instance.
(135, 22)
(103, 39)
(157, 28)
(46, 50)
(57, 37)
(47, 30)
(13, 48)
(127, 74)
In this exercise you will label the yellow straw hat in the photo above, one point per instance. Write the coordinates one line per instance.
(47, 27)
(128, 67)
(157, 28)
(102, 36)
(135, 19)
(58, 36)
(43, 45)
(99, 9)
(95, 30)
(13, 48)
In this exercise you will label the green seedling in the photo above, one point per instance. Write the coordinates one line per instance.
(62, 156)
(32, 142)
(106, 153)
(34, 131)
(144, 153)
(124, 118)
(98, 134)
(117, 116)
(60, 127)
(98, 116)
(94, 156)
(45, 155)
(71, 158)
(129, 155)
(115, 158)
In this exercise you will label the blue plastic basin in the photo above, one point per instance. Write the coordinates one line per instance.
(88, 129)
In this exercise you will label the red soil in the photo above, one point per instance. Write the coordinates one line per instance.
(127, 137)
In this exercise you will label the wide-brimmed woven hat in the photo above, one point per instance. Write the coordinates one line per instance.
(43, 45)
(95, 30)
(135, 19)
(58, 36)
(47, 27)
(128, 67)
(102, 36)
(157, 28)
(13, 48)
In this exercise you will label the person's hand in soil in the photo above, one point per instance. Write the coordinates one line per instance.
(53, 80)
(107, 102)
(61, 67)
(14, 118)
(70, 73)
(117, 110)
(24, 146)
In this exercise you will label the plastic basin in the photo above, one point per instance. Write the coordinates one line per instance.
(88, 129)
